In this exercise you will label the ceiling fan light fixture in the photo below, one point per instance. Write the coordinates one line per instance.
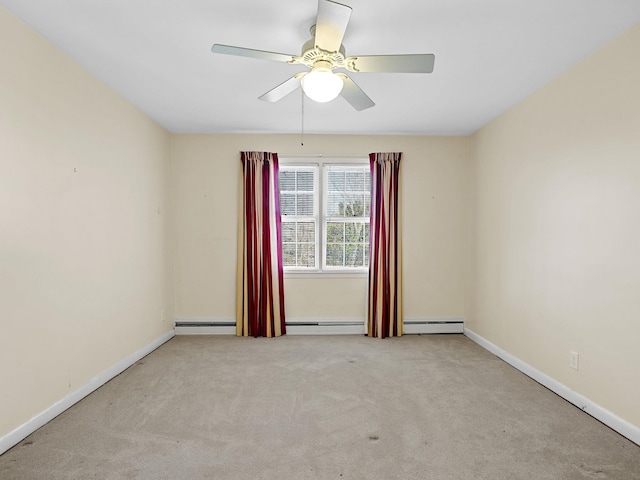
(321, 84)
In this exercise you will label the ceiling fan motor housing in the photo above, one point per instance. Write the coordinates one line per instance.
(311, 54)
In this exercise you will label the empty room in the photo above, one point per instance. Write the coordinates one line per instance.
(311, 239)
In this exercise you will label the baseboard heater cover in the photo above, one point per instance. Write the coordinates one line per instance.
(294, 327)
(415, 326)
(323, 326)
(312, 326)
(203, 326)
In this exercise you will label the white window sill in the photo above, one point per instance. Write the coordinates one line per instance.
(326, 274)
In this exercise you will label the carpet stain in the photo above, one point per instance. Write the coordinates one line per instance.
(27, 443)
(374, 438)
(590, 472)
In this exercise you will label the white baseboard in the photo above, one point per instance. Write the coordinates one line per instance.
(16, 436)
(621, 426)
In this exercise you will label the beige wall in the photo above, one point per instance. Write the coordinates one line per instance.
(555, 251)
(205, 177)
(83, 214)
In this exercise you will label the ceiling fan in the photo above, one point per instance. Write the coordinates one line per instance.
(324, 53)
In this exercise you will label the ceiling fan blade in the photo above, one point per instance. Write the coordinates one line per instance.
(248, 52)
(353, 94)
(331, 24)
(284, 89)
(418, 63)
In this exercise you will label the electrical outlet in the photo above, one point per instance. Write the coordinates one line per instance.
(573, 360)
(162, 319)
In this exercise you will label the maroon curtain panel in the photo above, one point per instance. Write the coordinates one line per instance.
(260, 294)
(384, 317)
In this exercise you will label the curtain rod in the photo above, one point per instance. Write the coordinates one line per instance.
(321, 155)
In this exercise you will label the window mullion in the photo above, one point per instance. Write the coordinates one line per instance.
(322, 227)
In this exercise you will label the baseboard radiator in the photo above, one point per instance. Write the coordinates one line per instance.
(188, 326)
(416, 326)
(325, 327)
(412, 326)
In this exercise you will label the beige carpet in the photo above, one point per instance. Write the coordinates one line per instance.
(341, 407)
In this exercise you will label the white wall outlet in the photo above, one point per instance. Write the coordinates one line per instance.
(573, 360)
(162, 319)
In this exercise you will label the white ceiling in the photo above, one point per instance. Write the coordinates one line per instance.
(490, 54)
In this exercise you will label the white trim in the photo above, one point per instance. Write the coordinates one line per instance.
(315, 274)
(20, 433)
(621, 426)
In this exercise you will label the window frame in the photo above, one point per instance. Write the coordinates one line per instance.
(314, 217)
(319, 163)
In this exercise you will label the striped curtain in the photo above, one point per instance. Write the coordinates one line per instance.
(259, 294)
(384, 318)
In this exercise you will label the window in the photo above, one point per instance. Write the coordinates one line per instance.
(346, 216)
(299, 212)
(325, 211)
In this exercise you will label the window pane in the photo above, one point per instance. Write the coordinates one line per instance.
(305, 181)
(355, 181)
(288, 232)
(335, 205)
(288, 255)
(305, 204)
(306, 232)
(335, 255)
(354, 232)
(354, 206)
(287, 180)
(335, 232)
(287, 204)
(353, 255)
(335, 180)
(307, 255)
